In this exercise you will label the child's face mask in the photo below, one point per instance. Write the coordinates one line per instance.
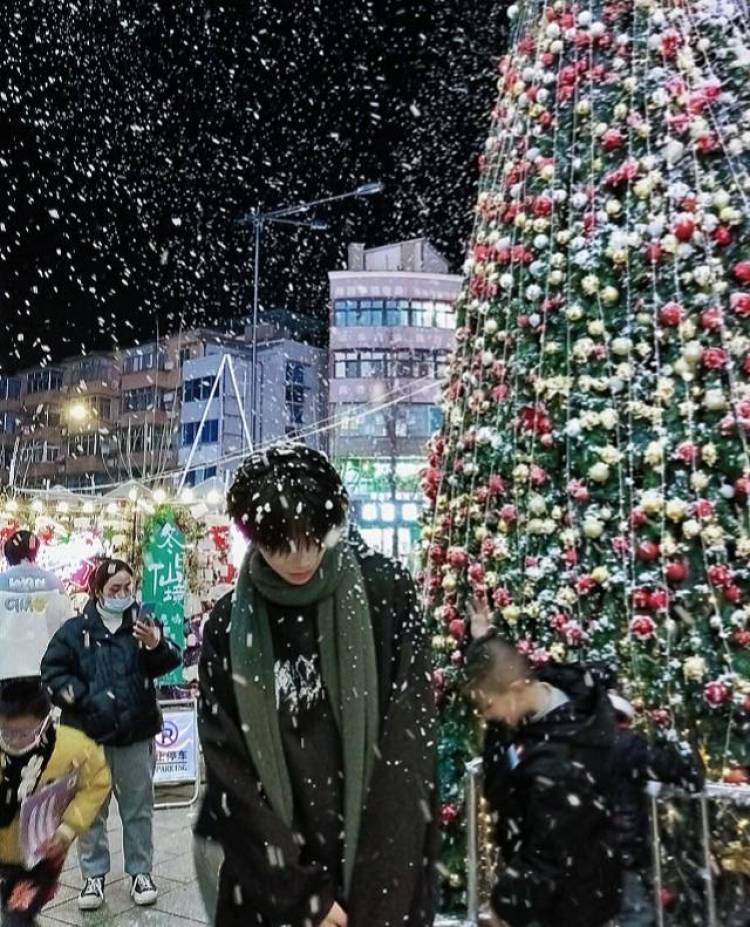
(20, 736)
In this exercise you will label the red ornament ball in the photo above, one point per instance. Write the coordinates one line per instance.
(643, 627)
(457, 557)
(668, 897)
(676, 571)
(448, 813)
(457, 629)
(658, 600)
(684, 228)
(671, 314)
(716, 693)
(647, 551)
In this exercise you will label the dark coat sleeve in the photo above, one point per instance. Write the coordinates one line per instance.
(262, 872)
(559, 808)
(393, 876)
(638, 759)
(60, 669)
(165, 657)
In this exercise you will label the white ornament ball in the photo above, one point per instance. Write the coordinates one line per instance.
(621, 346)
(714, 400)
(593, 528)
(693, 352)
(599, 472)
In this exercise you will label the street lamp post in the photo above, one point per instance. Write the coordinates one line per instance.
(259, 220)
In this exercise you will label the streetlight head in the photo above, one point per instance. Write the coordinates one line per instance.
(367, 189)
(318, 225)
(78, 412)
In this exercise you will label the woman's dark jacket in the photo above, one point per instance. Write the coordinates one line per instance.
(392, 884)
(552, 810)
(104, 682)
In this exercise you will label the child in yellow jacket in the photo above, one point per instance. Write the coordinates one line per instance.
(34, 752)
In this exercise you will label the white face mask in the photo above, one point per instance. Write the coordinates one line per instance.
(117, 605)
(15, 744)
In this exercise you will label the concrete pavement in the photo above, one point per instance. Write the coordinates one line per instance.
(179, 903)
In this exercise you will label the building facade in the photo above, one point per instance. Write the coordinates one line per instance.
(216, 421)
(392, 328)
(100, 419)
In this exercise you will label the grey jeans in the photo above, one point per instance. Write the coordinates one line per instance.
(132, 771)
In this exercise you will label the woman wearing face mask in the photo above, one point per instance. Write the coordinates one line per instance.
(100, 668)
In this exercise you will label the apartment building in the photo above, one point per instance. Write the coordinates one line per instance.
(216, 420)
(96, 420)
(392, 328)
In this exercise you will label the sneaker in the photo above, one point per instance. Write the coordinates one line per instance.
(143, 891)
(92, 896)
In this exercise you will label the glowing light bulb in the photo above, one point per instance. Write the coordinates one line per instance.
(78, 412)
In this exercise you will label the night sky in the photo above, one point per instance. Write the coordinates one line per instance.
(132, 135)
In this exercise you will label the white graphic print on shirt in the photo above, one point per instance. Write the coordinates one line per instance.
(298, 683)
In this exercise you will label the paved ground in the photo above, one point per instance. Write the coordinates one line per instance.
(179, 902)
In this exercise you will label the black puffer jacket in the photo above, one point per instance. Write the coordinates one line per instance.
(552, 810)
(635, 761)
(104, 682)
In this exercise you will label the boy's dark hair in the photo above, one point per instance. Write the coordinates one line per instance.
(20, 546)
(106, 569)
(22, 697)
(493, 665)
(287, 496)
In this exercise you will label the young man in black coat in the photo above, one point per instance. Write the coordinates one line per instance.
(316, 718)
(547, 780)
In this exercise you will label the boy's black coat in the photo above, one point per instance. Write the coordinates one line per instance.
(635, 761)
(104, 682)
(263, 879)
(552, 812)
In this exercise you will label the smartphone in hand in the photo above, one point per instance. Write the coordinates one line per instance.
(146, 631)
(146, 613)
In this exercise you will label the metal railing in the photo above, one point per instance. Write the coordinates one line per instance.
(712, 792)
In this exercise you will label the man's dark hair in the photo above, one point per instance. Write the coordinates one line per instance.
(106, 569)
(23, 545)
(286, 497)
(22, 697)
(493, 665)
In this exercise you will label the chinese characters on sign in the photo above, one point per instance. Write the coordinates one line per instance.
(176, 745)
(164, 585)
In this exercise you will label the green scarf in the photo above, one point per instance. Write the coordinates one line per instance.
(348, 668)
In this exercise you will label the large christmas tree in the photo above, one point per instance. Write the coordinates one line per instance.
(593, 473)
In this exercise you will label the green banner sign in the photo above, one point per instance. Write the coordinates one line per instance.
(164, 585)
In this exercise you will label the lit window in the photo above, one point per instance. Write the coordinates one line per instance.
(409, 511)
